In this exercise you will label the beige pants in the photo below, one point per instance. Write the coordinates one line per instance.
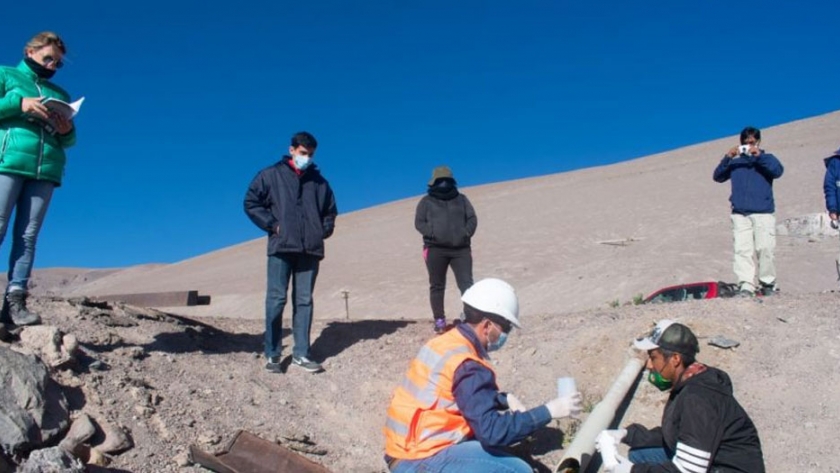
(837, 261)
(755, 239)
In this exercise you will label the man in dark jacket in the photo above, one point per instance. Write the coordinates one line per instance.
(831, 188)
(447, 221)
(752, 172)
(294, 204)
(704, 429)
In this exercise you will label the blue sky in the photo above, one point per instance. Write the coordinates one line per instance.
(185, 102)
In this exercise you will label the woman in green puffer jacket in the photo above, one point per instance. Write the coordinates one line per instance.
(32, 143)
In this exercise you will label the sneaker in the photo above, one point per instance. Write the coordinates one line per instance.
(307, 364)
(769, 289)
(273, 365)
(440, 325)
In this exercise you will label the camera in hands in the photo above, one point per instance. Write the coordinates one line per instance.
(744, 149)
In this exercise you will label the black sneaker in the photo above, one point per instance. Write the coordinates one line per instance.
(273, 365)
(769, 289)
(307, 364)
(440, 325)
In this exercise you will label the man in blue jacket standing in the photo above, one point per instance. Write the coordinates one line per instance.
(752, 172)
(831, 188)
(295, 206)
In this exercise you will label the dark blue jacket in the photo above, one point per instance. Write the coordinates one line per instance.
(752, 182)
(485, 408)
(831, 184)
(303, 206)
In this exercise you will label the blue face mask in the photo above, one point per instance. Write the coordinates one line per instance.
(302, 162)
(499, 343)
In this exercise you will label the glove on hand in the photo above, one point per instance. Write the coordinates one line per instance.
(564, 406)
(607, 445)
(624, 466)
(515, 404)
(617, 434)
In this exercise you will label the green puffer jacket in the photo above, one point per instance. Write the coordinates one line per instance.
(26, 149)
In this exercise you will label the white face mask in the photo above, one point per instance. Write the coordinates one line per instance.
(302, 162)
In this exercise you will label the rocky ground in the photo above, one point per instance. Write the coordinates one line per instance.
(172, 381)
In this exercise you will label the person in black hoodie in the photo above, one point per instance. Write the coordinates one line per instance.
(293, 203)
(704, 429)
(447, 221)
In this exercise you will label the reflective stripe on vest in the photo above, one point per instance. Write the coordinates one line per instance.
(423, 417)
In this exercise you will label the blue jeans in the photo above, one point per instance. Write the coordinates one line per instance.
(302, 270)
(29, 198)
(466, 457)
(650, 456)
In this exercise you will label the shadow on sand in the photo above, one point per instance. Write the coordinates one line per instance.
(338, 336)
(195, 336)
(192, 336)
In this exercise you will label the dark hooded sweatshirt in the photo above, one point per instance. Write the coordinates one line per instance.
(445, 217)
(703, 429)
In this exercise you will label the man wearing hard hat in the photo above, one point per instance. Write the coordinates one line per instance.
(448, 413)
(703, 426)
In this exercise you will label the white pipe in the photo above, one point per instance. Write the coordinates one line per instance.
(580, 452)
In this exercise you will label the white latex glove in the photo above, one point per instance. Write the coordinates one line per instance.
(608, 446)
(624, 466)
(617, 434)
(515, 404)
(565, 406)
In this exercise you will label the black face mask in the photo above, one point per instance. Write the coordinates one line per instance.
(38, 69)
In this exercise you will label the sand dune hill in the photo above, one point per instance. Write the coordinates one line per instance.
(549, 236)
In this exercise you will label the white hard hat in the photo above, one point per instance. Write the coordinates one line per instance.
(495, 297)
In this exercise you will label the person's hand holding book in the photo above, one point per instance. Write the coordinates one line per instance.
(62, 125)
(34, 107)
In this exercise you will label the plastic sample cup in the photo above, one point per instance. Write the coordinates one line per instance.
(566, 386)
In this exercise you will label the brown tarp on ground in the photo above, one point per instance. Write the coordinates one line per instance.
(247, 453)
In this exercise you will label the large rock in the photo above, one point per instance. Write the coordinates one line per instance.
(53, 347)
(33, 409)
(52, 460)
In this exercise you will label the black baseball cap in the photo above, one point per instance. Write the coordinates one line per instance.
(671, 336)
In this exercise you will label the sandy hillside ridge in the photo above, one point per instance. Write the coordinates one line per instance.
(549, 236)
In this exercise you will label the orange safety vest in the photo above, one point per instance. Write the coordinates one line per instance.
(423, 417)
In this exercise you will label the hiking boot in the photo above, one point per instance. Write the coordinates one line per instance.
(17, 312)
(769, 289)
(273, 365)
(307, 364)
(440, 325)
(746, 293)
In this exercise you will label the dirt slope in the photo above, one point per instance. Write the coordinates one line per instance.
(174, 381)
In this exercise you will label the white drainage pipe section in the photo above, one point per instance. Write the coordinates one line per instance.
(579, 453)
